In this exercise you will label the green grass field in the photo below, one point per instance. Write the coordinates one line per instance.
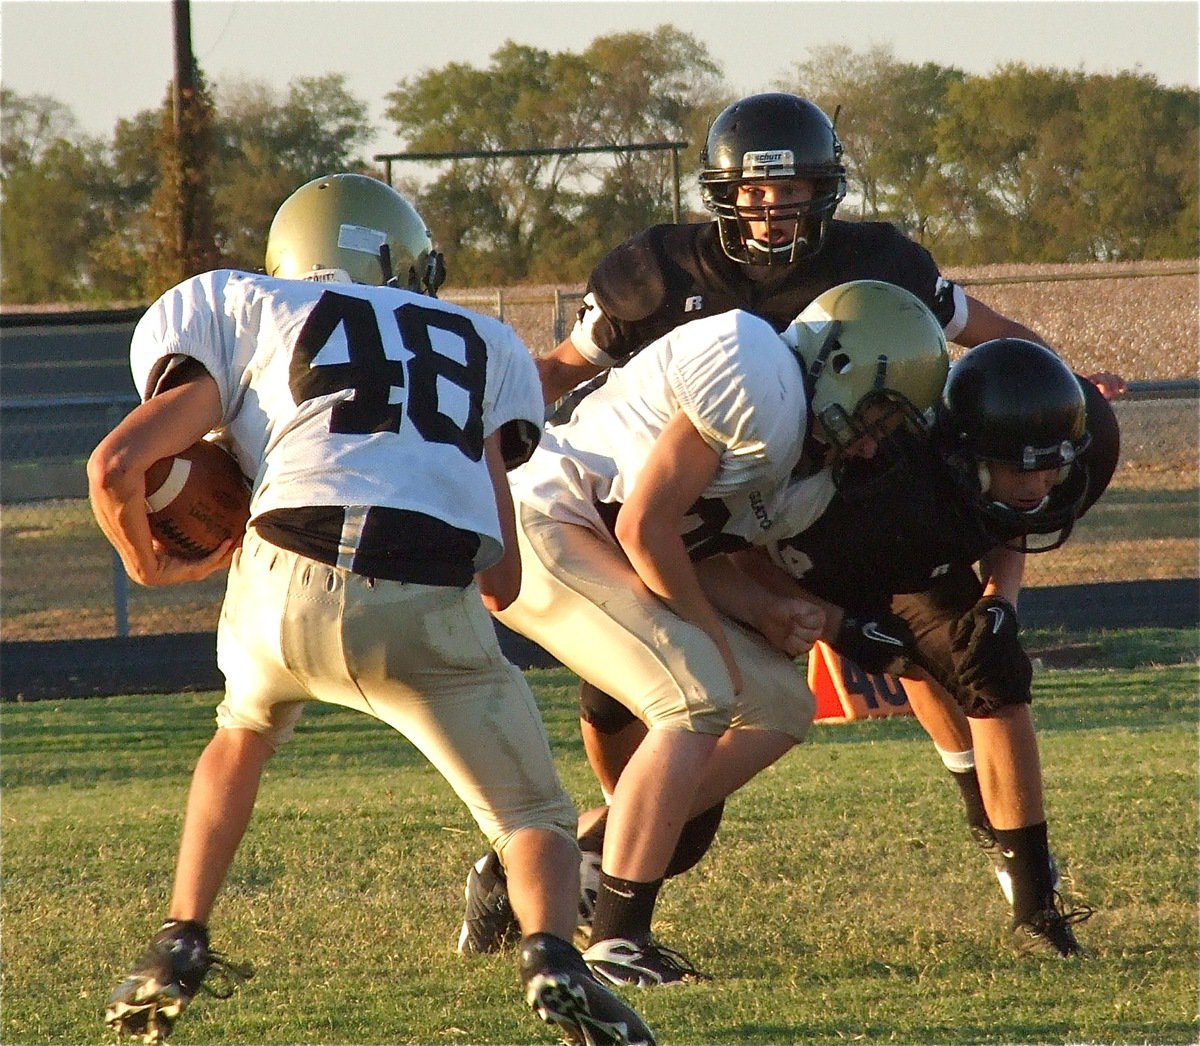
(843, 900)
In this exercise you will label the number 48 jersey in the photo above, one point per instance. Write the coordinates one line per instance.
(350, 395)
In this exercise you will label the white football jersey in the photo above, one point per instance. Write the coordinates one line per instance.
(350, 395)
(740, 386)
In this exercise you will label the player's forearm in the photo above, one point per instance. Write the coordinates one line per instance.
(661, 561)
(1002, 570)
(562, 370)
(117, 492)
(985, 323)
(500, 583)
(731, 591)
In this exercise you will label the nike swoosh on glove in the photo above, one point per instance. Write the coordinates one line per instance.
(989, 660)
(880, 643)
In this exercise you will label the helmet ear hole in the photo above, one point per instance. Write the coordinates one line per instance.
(985, 477)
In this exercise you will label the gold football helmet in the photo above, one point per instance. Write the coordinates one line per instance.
(868, 342)
(349, 228)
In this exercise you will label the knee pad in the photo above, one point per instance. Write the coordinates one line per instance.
(603, 711)
(985, 702)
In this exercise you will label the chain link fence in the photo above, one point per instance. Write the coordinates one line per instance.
(64, 382)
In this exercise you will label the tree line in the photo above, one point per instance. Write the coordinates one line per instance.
(1021, 165)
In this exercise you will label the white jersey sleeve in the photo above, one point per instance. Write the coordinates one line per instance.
(191, 319)
(514, 398)
(743, 392)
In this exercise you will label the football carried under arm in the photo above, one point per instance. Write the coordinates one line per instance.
(160, 427)
(196, 501)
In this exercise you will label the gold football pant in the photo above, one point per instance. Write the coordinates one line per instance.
(424, 659)
(582, 601)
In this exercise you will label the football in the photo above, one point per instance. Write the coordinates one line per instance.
(196, 499)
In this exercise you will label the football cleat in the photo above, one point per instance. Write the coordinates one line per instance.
(489, 924)
(146, 1004)
(994, 852)
(1049, 932)
(562, 992)
(642, 963)
(589, 890)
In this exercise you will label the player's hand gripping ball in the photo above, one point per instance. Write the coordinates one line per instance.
(196, 500)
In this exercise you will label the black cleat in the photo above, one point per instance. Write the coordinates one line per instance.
(589, 890)
(562, 991)
(640, 964)
(489, 924)
(146, 1004)
(1049, 932)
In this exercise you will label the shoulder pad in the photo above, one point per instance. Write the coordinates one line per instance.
(628, 281)
(1101, 456)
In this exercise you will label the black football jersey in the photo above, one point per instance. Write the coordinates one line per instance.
(897, 529)
(671, 274)
(889, 530)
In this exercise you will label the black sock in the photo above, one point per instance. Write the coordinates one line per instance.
(624, 908)
(1028, 854)
(972, 797)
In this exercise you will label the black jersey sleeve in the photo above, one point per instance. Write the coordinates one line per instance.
(649, 285)
(628, 281)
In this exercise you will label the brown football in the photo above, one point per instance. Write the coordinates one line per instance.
(196, 499)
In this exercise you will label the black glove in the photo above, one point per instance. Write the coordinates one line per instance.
(990, 662)
(880, 643)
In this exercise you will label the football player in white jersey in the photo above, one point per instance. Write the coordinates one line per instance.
(376, 425)
(692, 450)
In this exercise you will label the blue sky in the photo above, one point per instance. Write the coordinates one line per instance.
(111, 58)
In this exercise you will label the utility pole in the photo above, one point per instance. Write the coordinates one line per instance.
(183, 96)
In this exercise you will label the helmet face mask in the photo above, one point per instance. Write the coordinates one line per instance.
(1014, 403)
(1040, 529)
(876, 445)
(772, 138)
(349, 228)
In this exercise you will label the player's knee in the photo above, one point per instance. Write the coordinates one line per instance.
(601, 711)
(695, 839)
(501, 838)
(551, 812)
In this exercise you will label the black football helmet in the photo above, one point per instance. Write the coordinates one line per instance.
(772, 136)
(1013, 401)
